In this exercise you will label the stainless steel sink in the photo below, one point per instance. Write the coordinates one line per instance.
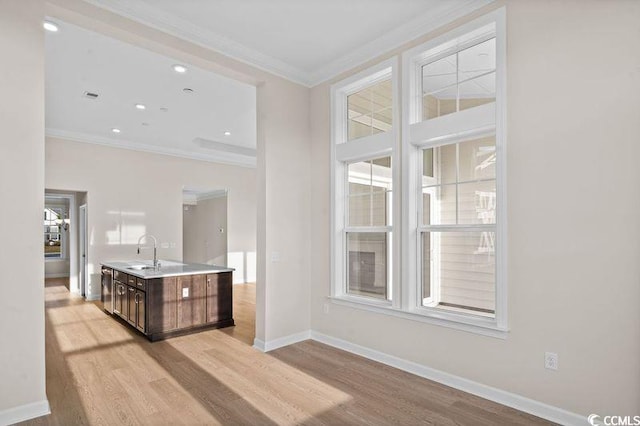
(140, 267)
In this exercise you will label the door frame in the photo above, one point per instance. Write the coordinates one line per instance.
(82, 250)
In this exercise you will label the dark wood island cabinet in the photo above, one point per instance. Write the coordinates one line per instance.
(165, 305)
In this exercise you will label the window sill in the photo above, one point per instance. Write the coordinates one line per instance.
(480, 326)
(55, 259)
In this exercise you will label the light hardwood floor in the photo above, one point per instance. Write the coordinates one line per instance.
(101, 372)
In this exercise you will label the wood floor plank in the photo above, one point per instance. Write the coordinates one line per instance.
(102, 372)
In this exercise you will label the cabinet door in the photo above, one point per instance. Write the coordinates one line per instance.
(117, 307)
(120, 297)
(219, 297)
(131, 302)
(162, 300)
(191, 300)
(140, 300)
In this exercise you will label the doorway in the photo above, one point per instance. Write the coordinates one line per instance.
(204, 226)
(66, 238)
(207, 240)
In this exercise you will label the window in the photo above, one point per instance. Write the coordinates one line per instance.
(365, 143)
(461, 80)
(369, 228)
(53, 232)
(458, 226)
(451, 201)
(370, 110)
(454, 141)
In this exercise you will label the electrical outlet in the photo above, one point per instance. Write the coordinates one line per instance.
(325, 308)
(185, 292)
(551, 360)
(275, 256)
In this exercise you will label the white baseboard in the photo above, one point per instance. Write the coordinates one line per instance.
(92, 297)
(512, 400)
(24, 412)
(58, 275)
(259, 345)
(280, 342)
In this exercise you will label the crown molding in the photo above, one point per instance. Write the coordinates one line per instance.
(153, 17)
(225, 147)
(178, 27)
(417, 27)
(214, 157)
(193, 195)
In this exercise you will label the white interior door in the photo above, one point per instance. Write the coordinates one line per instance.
(82, 252)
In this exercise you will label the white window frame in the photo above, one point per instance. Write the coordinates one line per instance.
(464, 125)
(478, 121)
(63, 235)
(344, 152)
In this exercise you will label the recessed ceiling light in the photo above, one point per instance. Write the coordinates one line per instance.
(115, 130)
(140, 106)
(50, 26)
(181, 69)
(187, 90)
(227, 133)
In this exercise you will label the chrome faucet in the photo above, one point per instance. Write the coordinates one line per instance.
(155, 248)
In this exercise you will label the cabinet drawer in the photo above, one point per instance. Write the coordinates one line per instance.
(141, 284)
(120, 276)
(131, 280)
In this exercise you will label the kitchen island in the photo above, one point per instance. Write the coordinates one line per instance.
(169, 299)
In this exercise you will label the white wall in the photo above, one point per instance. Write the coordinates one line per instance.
(54, 268)
(130, 193)
(22, 365)
(283, 108)
(573, 230)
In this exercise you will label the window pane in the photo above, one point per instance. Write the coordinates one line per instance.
(369, 192)
(459, 271)
(446, 162)
(367, 264)
(439, 205)
(477, 159)
(460, 81)
(359, 126)
(439, 74)
(439, 103)
(52, 248)
(382, 95)
(52, 232)
(381, 121)
(479, 91)
(427, 162)
(477, 60)
(477, 202)
(370, 110)
(426, 265)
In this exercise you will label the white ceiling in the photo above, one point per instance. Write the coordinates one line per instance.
(78, 60)
(308, 41)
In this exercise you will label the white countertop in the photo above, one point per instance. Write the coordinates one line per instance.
(167, 268)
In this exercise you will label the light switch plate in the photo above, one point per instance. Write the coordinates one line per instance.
(185, 292)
